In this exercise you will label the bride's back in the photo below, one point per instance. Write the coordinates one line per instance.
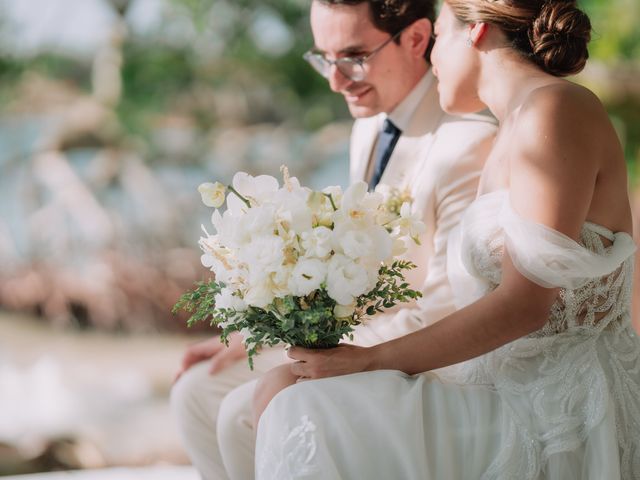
(562, 129)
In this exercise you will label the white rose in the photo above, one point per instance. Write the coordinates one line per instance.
(213, 194)
(370, 243)
(346, 279)
(317, 243)
(356, 244)
(307, 276)
(264, 252)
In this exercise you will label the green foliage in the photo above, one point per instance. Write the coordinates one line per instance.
(616, 36)
(12, 69)
(308, 321)
(153, 80)
(390, 290)
(200, 302)
(627, 116)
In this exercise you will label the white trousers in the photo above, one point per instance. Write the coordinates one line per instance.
(215, 412)
(215, 417)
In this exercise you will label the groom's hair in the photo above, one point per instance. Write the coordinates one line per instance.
(392, 16)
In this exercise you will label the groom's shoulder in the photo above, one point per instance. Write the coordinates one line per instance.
(467, 128)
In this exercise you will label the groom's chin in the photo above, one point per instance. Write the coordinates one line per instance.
(362, 111)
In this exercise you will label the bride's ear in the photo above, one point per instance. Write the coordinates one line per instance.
(477, 32)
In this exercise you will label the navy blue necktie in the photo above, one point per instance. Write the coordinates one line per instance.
(386, 143)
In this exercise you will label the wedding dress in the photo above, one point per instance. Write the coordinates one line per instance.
(560, 403)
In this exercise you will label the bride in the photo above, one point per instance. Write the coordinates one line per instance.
(543, 377)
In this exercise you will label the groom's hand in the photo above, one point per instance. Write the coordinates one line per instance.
(212, 349)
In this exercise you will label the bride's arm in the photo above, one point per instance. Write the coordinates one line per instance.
(554, 167)
(514, 309)
(517, 307)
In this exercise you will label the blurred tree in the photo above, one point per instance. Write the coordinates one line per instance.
(239, 62)
(616, 36)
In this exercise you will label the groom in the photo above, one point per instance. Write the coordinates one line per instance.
(375, 53)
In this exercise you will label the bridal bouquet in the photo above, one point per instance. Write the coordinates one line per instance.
(299, 266)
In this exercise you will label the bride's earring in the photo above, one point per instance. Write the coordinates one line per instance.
(469, 42)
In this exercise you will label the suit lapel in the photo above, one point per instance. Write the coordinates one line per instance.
(364, 142)
(412, 149)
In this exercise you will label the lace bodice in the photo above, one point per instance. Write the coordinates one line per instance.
(595, 273)
(571, 370)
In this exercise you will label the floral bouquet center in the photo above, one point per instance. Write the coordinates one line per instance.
(298, 266)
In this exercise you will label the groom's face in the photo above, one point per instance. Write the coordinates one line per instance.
(348, 31)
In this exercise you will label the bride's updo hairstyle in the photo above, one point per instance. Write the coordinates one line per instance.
(551, 33)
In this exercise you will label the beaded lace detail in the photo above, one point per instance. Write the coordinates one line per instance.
(585, 359)
(299, 459)
(578, 373)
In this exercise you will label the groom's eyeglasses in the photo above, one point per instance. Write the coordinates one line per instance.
(350, 67)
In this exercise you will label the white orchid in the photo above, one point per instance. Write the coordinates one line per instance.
(358, 204)
(216, 256)
(409, 224)
(323, 206)
(307, 276)
(255, 189)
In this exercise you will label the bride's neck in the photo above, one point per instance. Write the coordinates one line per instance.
(506, 80)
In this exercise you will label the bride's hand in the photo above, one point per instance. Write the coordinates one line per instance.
(330, 362)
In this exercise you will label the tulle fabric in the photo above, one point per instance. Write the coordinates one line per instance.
(561, 403)
(543, 255)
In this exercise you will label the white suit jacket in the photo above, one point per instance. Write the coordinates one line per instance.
(438, 158)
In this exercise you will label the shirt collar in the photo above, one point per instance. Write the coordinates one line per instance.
(401, 115)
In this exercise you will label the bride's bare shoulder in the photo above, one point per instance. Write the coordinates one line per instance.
(563, 121)
(562, 106)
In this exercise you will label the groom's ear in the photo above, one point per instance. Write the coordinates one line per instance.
(417, 36)
(477, 32)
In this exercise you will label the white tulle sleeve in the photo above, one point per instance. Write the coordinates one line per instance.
(543, 255)
(552, 259)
